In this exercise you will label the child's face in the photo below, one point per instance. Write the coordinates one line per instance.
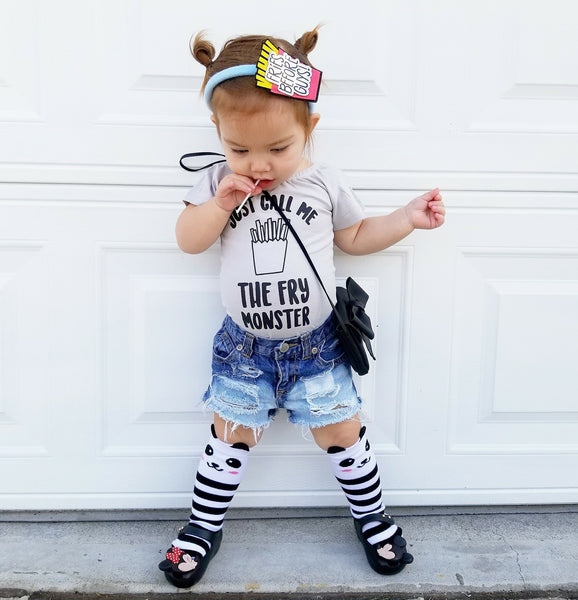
(266, 145)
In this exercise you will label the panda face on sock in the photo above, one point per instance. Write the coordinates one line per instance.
(348, 464)
(231, 465)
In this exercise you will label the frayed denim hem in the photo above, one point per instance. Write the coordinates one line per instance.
(232, 422)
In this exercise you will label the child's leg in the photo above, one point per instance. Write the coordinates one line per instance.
(355, 467)
(218, 476)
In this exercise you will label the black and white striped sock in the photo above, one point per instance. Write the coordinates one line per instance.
(218, 476)
(356, 470)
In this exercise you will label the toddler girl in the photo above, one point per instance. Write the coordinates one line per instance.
(277, 346)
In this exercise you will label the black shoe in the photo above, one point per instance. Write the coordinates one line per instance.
(385, 558)
(182, 568)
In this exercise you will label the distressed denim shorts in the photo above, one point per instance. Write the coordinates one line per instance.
(308, 376)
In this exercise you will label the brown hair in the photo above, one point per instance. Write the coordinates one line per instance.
(246, 50)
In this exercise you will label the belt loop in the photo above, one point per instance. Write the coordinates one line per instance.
(248, 345)
(306, 345)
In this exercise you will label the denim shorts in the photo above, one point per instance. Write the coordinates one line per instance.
(308, 376)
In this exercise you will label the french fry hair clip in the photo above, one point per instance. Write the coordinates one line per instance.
(286, 76)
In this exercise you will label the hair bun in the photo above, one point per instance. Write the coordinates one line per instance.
(201, 49)
(308, 41)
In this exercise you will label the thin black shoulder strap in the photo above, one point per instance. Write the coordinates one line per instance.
(197, 155)
(298, 240)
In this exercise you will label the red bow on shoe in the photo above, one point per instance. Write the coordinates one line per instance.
(174, 554)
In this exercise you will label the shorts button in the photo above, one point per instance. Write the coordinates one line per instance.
(314, 350)
(284, 347)
(239, 347)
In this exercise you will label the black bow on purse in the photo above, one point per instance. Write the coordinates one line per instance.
(353, 324)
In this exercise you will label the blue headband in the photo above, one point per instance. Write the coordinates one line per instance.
(229, 73)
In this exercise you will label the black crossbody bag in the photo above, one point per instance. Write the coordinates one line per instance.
(353, 324)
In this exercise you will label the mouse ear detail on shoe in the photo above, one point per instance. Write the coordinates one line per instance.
(178, 560)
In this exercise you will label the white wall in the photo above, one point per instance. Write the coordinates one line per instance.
(105, 325)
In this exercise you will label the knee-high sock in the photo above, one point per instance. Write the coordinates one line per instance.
(218, 476)
(356, 470)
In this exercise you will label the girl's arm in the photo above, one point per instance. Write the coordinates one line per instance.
(199, 226)
(377, 233)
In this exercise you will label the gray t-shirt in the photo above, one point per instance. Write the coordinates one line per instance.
(267, 285)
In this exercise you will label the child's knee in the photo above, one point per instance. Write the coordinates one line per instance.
(343, 434)
(232, 433)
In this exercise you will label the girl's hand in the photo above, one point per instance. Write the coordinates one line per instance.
(233, 189)
(426, 211)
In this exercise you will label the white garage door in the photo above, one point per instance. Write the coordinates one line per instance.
(105, 325)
